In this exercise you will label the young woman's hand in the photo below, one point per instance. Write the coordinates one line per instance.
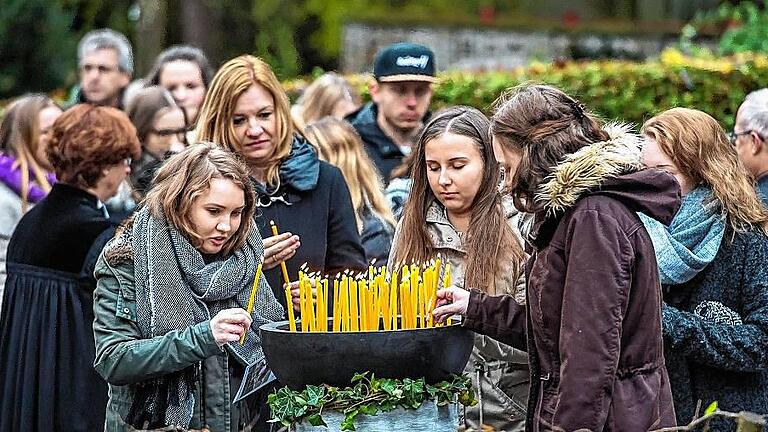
(296, 300)
(229, 324)
(279, 248)
(450, 301)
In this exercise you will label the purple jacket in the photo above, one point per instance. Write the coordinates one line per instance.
(10, 176)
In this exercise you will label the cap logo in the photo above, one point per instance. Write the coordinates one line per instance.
(410, 61)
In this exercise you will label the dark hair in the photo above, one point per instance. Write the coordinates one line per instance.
(86, 139)
(546, 125)
(181, 52)
(489, 240)
(144, 106)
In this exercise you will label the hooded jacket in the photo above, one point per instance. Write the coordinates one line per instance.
(384, 153)
(592, 322)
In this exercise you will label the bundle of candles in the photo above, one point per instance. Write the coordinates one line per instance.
(378, 300)
(401, 300)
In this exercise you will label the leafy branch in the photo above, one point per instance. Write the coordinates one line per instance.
(368, 395)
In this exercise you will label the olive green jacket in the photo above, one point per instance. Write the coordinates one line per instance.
(124, 358)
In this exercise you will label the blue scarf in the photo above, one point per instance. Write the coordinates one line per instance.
(692, 239)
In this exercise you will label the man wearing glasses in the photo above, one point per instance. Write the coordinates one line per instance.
(105, 64)
(750, 138)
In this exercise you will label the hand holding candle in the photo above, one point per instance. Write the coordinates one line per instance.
(279, 248)
(252, 299)
(451, 301)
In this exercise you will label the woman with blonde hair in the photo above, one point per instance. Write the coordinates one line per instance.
(712, 262)
(340, 145)
(330, 95)
(26, 176)
(246, 111)
(177, 278)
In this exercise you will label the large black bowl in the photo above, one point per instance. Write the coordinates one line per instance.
(299, 359)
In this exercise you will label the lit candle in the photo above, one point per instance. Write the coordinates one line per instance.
(336, 306)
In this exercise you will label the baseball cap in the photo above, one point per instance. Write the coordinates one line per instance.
(404, 62)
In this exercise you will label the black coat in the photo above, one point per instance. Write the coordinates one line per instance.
(47, 380)
(320, 213)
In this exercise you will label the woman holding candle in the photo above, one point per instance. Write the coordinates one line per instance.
(456, 213)
(246, 111)
(176, 279)
(592, 320)
(47, 381)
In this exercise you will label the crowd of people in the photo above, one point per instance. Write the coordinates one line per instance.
(615, 277)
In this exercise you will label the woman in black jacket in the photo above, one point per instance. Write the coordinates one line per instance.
(247, 112)
(47, 381)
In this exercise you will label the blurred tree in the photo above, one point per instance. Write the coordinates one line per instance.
(38, 40)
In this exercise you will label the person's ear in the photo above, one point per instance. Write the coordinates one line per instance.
(125, 79)
(374, 88)
(756, 143)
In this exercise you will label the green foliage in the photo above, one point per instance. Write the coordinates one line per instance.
(38, 40)
(616, 90)
(368, 395)
(744, 28)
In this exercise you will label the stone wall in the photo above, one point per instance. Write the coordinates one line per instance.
(481, 49)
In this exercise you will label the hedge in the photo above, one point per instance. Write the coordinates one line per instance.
(621, 90)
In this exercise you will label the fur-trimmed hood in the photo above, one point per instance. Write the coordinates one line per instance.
(613, 169)
(587, 169)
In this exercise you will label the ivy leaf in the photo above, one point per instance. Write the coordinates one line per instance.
(388, 386)
(358, 377)
(316, 420)
(711, 408)
(348, 424)
(314, 394)
(369, 409)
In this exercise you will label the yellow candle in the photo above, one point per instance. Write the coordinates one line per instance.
(303, 304)
(282, 263)
(336, 307)
(362, 291)
(325, 304)
(289, 303)
(310, 305)
(447, 283)
(354, 311)
(393, 300)
(252, 299)
(345, 322)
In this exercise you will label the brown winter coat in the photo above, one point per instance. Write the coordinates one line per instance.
(593, 315)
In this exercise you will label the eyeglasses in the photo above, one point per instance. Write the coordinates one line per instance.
(733, 135)
(127, 161)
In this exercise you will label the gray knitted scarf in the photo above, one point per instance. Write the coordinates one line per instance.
(175, 289)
